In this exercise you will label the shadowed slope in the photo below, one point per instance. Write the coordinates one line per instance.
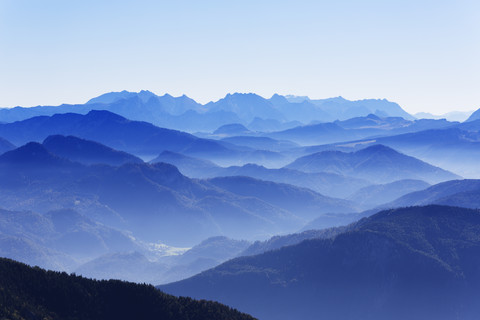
(415, 263)
(28, 292)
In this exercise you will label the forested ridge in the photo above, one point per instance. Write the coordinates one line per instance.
(33, 293)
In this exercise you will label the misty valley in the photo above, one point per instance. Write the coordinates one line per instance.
(243, 208)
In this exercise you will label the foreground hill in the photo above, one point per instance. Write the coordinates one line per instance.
(33, 293)
(376, 163)
(411, 263)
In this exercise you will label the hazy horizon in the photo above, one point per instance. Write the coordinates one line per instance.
(422, 56)
(266, 97)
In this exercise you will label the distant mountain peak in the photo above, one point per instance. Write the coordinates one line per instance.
(277, 99)
(296, 99)
(242, 95)
(112, 97)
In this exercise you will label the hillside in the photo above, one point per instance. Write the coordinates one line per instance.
(33, 293)
(415, 263)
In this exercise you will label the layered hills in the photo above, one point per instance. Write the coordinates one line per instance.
(376, 163)
(149, 199)
(310, 201)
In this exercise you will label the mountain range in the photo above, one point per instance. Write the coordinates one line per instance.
(183, 113)
(329, 181)
(369, 126)
(139, 138)
(287, 208)
(149, 198)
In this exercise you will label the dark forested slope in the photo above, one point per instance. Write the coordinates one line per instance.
(410, 263)
(33, 293)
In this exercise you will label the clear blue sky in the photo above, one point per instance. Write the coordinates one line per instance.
(425, 55)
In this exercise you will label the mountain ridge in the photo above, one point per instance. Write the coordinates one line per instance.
(395, 270)
(377, 163)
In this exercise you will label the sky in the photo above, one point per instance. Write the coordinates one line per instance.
(423, 55)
